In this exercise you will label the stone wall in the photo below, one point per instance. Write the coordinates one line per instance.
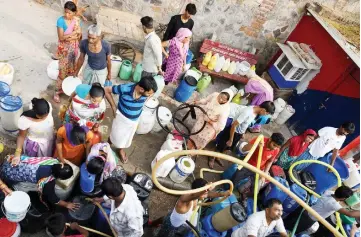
(244, 24)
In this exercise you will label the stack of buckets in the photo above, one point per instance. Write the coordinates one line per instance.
(11, 108)
(283, 111)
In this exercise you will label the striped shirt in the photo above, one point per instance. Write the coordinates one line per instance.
(127, 105)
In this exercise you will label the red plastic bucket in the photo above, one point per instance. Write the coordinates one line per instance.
(9, 229)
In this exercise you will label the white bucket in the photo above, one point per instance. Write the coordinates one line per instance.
(116, 64)
(164, 169)
(285, 115)
(8, 77)
(244, 68)
(165, 116)
(147, 118)
(184, 167)
(16, 206)
(172, 145)
(69, 85)
(280, 105)
(160, 84)
(354, 177)
(53, 69)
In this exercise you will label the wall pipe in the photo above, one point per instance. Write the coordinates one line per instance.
(239, 162)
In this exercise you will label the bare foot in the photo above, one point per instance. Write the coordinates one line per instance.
(56, 97)
(211, 163)
(123, 156)
(219, 162)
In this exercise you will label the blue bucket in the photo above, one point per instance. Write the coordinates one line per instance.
(189, 57)
(326, 180)
(185, 89)
(4, 89)
(272, 191)
(289, 204)
(219, 206)
(86, 179)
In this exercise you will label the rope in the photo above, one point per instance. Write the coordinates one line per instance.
(91, 230)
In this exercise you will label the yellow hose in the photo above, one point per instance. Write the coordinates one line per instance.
(255, 193)
(91, 230)
(339, 183)
(250, 153)
(239, 162)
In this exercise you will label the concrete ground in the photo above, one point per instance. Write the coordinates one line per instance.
(28, 39)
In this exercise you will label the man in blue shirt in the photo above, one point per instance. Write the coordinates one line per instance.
(131, 100)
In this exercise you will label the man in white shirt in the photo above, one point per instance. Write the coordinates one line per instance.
(126, 215)
(327, 205)
(240, 118)
(261, 224)
(329, 139)
(152, 55)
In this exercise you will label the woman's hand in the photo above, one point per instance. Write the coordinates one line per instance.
(15, 160)
(166, 55)
(72, 206)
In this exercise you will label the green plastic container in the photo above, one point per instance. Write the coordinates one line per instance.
(204, 82)
(126, 70)
(347, 220)
(237, 99)
(137, 72)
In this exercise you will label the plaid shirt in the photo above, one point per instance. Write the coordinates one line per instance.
(127, 219)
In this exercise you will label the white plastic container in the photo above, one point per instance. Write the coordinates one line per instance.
(9, 76)
(354, 177)
(280, 105)
(64, 193)
(164, 169)
(184, 167)
(53, 69)
(16, 205)
(219, 64)
(244, 68)
(226, 65)
(193, 73)
(285, 115)
(172, 145)
(238, 66)
(11, 108)
(160, 84)
(116, 64)
(147, 118)
(69, 85)
(313, 229)
(165, 116)
(232, 68)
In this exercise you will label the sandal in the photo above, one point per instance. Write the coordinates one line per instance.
(219, 162)
(211, 163)
(56, 97)
(123, 156)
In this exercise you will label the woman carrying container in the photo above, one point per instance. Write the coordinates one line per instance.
(73, 143)
(294, 147)
(86, 106)
(176, 59)
(40, 170)
(36, 131)
(69, 32)
(217, 110)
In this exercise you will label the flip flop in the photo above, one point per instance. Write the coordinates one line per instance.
(218, 161)
(211, 163)
(123, 157)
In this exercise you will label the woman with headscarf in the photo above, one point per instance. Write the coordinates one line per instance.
(36, 131)
(86, 106)
(294, 147)
(73, 143)
(176, 59)
(217, 107)
(69, 32)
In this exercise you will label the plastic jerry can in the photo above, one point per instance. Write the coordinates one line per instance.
(207, 58)
(226, 65)
(137, 72)
(213, 62)
(232, 68)
(237, 99)
(203, 82)
(220, 64)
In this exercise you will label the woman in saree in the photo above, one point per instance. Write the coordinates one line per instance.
(294, 147)
(86, 106)
(217, 108)
(73, 143)
(69, 32)
(36, 131)
(176, 59)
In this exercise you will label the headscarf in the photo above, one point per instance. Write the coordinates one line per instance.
(110, 163)
(298, 144)
(222, 110)
(180, 36)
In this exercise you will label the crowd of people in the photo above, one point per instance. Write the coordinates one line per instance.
(42, 155)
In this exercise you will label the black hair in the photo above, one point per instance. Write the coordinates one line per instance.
(148, 83)
(349, 127)
(97, 90)
(61, 173)
(55, 224)
(95, 165)
(226, 94)
(112, 187)
(70, 6)
(272, 201)
(40, 106)
(278, 138)
(78, 135)
(269, 106)
(147, 22)
(199, 183)
(343, 192)
(191, 9)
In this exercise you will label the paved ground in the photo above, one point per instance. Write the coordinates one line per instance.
(28, 39)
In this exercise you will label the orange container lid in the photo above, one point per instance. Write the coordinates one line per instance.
(7, 228)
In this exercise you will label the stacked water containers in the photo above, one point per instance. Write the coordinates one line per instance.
(11, 107)
(289, 204)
